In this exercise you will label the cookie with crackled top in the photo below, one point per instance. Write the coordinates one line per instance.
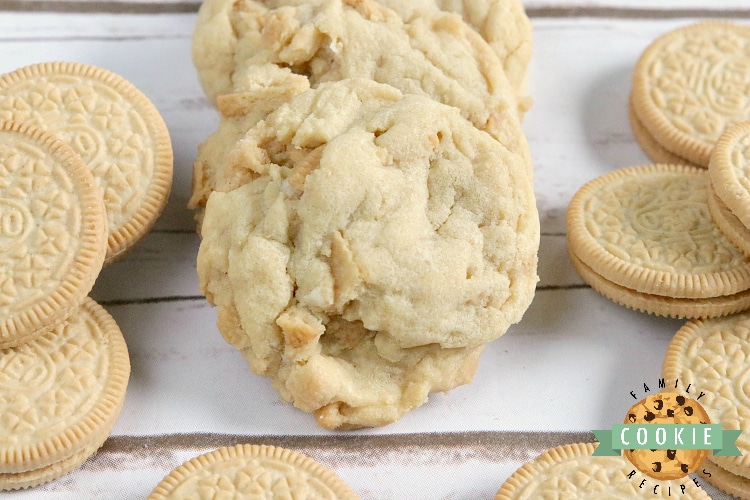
(363, 245)
(224, 30)
(435, 54)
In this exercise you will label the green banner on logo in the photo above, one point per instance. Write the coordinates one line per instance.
(667, 437)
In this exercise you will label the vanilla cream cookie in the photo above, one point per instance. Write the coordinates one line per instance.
(60, 396)
(363, 245)
(647, 230)
(729, 170)
(571, 471)
(711, 356)
(113, 126)
(53, 232)
(252, 471)
(690, 84)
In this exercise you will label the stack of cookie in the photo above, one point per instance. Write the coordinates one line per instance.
(668, 238)
(86, 167)
(729, 185)
(366, 204)
(711, 357)
(642, 236)
(688, 86)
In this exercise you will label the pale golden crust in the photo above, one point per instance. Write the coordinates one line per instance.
(438, 56)
(659, 305)
(223, 25)
(502, 23)
(62, 392)
(571, 471)
(727, 222)
(387, 222)
(253, 471)
(729, 170)
(113, 126)
(712, 355)
(647, 228)
(689, 85)
(54, 232)
(737, 486)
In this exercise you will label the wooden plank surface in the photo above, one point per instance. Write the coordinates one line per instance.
(567, 368)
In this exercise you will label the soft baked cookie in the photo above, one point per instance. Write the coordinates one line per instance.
(363, 245)
(666, 408)
(503, 24)
(222, 25)
(239, 111)
(435, 54)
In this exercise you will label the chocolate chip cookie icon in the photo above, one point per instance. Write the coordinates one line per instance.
(666, 408)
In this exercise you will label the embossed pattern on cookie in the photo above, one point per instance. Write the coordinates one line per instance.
(115, 129)
(52, 232)
(729, 170)
(666, 408)
(647, 228)
(252, 471)
(60, 393)
(713, 356)
(690, 84)
(570, 471)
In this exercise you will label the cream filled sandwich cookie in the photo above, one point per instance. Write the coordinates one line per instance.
(53, 232)
(112, 125)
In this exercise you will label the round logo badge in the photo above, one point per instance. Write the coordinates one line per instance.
(664, 409)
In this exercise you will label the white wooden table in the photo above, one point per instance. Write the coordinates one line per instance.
(567, 368)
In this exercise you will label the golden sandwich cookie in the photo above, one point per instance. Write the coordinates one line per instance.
(52, 232)
(60, 395)
(711, 356)
(113, 126)
(690, 84)
(252, 471)
(643, 237)
(571, 471)
(737, 486)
